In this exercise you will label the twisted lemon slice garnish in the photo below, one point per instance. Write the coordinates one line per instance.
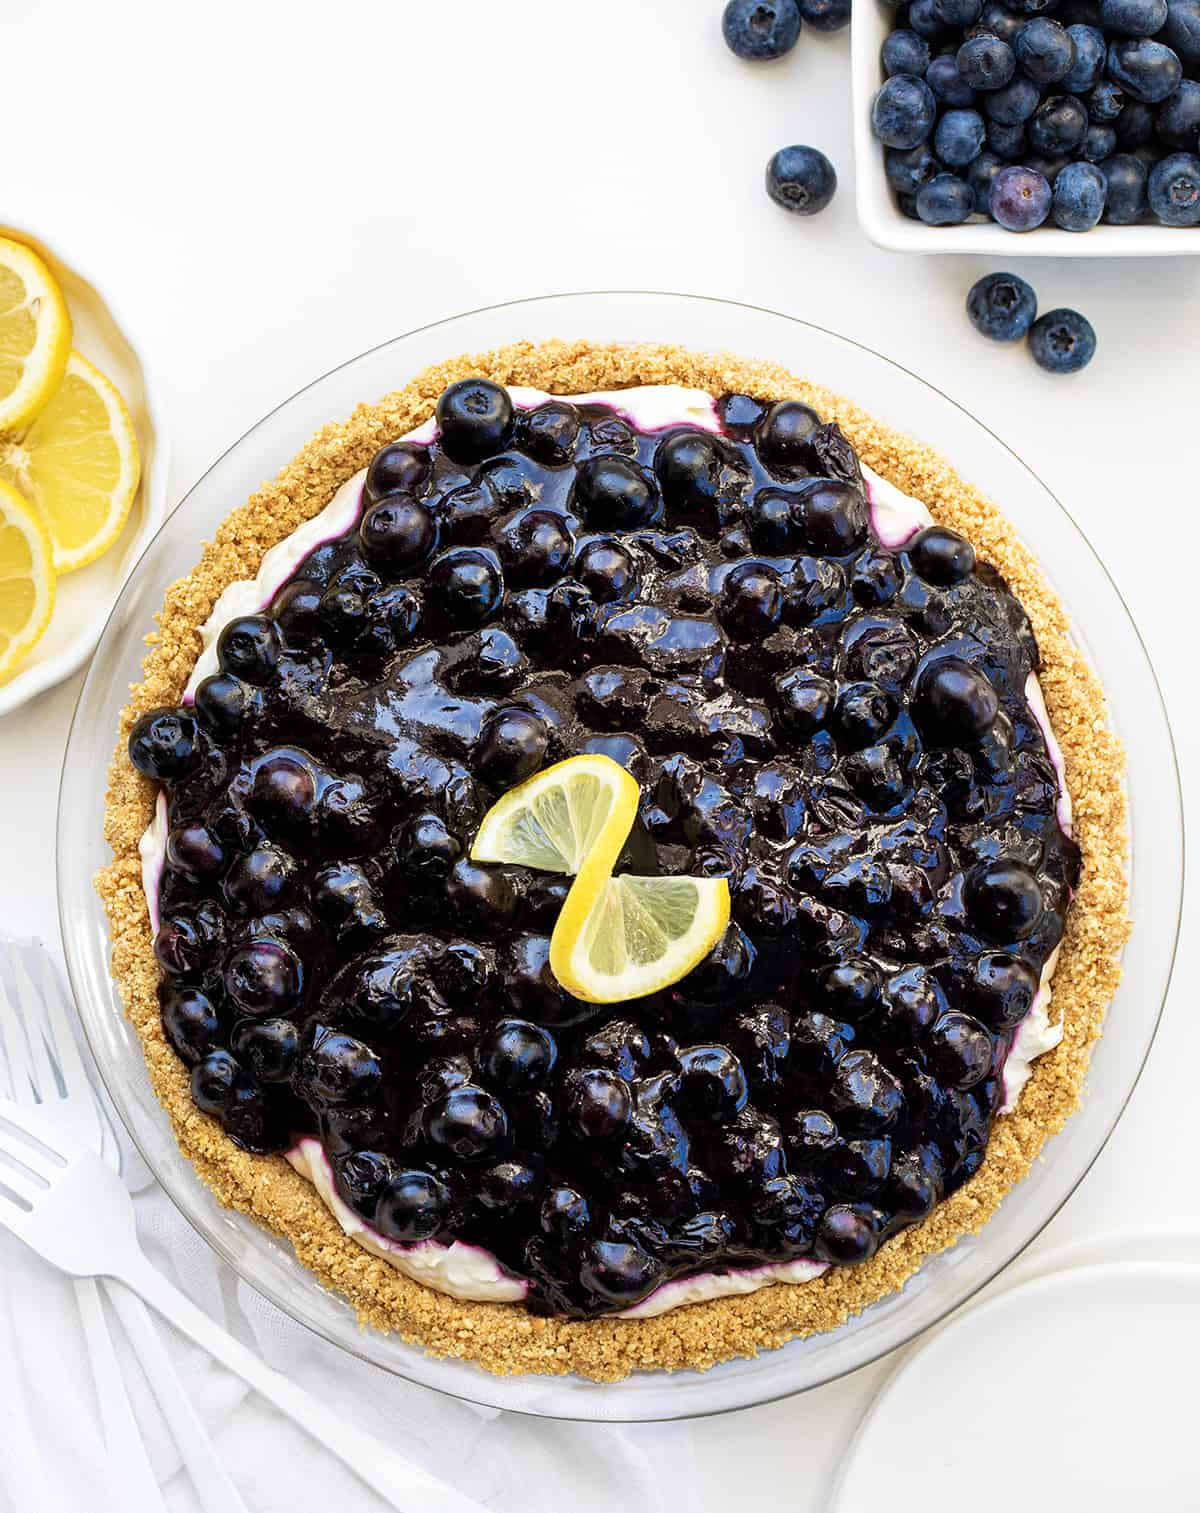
(616, 937)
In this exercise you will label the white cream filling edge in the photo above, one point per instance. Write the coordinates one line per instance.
(466, 1271)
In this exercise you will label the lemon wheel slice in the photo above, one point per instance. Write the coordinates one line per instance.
(78, 464)
(571, 816)
(35, 334)
(26, 579)
(615, 937)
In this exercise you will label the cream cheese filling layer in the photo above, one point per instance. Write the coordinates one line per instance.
(466, 1271)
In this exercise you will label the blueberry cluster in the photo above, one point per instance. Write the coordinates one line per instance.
(838, 727)
(1003, 307)
(1072, 111)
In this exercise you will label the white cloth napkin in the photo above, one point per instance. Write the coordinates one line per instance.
(52, 1456)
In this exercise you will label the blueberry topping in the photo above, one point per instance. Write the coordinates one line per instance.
(836, 726)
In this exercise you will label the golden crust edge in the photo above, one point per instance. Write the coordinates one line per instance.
(502, 1338)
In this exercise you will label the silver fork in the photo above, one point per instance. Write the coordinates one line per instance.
(45, 1068)
(75, 1211)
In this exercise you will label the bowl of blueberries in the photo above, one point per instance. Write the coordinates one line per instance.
(1073, 124)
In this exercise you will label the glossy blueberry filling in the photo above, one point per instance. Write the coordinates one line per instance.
(838, 725)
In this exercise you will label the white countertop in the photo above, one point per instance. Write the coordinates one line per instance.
(272, 196)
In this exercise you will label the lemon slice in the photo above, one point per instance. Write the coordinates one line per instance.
(615, 937)
(35, 334)
(26, 579)
(78, 464)
(574, 814)
(636, 935)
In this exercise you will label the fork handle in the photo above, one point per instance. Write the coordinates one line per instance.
(403, 1485)
(215, 1492)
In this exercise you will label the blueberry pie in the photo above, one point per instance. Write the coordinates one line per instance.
(806, 691)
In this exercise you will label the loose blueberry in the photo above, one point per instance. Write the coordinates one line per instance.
(1080, 191)
(980, 177)
(1181, 33)
(801, 179)
(906, 172)
(825, 15)
(1087, 66)
(1126, 177)
(1045, 50)
(1173, 190)
(1014, 103)
(1099, 142)
(1105, 102)
(1147, 70)
(959, 138)
(985, 63)
(759, 30)
(1062, 341)
(475, 419)
(1135, 18)
(1020, 199)
(904, 52)
(946, 200)
(904, 111)
(944, 78)
(1177, 121)
(1058, 125)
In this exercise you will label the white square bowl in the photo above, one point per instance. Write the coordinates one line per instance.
(887, 226)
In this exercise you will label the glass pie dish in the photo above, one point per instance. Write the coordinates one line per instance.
(1104, 630)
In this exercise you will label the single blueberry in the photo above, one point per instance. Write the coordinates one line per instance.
(1181, 32)
(1099, 142)
(925, 21)
(1007, 142)
(1049, 168)
(1057, 126)
(1020, 199)
(163, 745)
(997, 20)
(761, 29)
(947, 83)
(801, 179)
(980, 175)
(475, 418)
(1013, 104)
(1133, 18)
(904, 111)
(906, 171)
(825, 15)
(908, 206)
(1063, 341)
(1174, 190)
(957, 15)
(946, 200)
(903, 52)
(959, 138)
(1144, 69)
(1088, 64)
(1044, 50)
(1126, 177)
(400, 468)
(1105, 102)
(985, 62)
(1079, 194)
(1002, 306)
(1177, 121)
(1135, 128)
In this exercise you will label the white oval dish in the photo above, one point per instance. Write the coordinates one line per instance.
(85, 597)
